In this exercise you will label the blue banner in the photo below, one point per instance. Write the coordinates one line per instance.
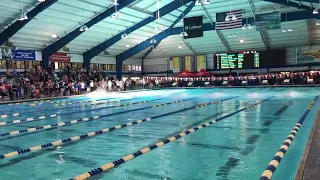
(23, 55)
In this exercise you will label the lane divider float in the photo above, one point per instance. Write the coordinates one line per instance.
(272, 167)
(31, 119)
(60, 142)
(145, 150)
(57, 107)
(72, 122)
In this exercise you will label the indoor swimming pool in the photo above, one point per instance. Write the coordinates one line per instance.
(251, 124)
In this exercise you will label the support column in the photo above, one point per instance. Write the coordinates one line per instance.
(45, 60)
(86, 63)
(119, 68)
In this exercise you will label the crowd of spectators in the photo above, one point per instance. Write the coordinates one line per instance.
(300, 78)
(38, 83)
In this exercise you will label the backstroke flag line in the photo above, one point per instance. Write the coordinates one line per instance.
(222, 24)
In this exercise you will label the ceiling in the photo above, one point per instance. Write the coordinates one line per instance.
(64, 16)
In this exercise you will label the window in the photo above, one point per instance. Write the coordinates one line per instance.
(3, 64)
(113, 67)
(16, 64)
(28, 64)
(22, 65)
(9, 63)
(140, 68)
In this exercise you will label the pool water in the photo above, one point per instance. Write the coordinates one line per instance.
(238, 147)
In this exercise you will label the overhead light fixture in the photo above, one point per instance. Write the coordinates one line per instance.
(41, 0)
(230, 35)
(23, 16)
(244, 26)
(249, 26)
(54, 35)
(183, 34)
(84, 28)
(318, 23)
(124, 35)
(198, 3)
(241, 40)
(116, 15)
(248, 52)
(289, 30)
(315, 11)
(234, 35)
(252, 52)
(179, 46)
(153, 41)
(127, 45)
(284, 30)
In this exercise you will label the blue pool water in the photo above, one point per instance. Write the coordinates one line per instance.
(238, 147)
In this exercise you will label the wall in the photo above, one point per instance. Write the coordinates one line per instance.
(155, 65)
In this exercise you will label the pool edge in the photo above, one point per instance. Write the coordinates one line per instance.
(301, 168)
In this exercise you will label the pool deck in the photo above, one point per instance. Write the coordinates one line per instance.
(309, 168)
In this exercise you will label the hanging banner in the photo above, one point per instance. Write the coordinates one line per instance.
(193, 27)
(23, 55)
(268, 21)
(60, 57)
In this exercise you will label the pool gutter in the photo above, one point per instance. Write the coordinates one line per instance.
(304, 166)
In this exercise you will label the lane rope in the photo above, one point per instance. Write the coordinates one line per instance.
(62, 106)
(31, 119)
(72, 122)
(272, 167)
(60, 142)
(145, 150)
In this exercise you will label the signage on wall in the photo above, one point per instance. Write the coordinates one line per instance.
(60, 57)
(193, 27)
(23, 55)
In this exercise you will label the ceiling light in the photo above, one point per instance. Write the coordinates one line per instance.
(84, 28)
(318, 23)
(23, 16)
(252, 52)
(248, 52)
(124, 35)
(315, 11)
(127, 45)
(41, 0)
(230, 35)
(284, 30)
(234, 35)
(116, 15)
(198, 3)
(241, 40)
(183, 34)
(54, 35)
(153, 41)
(289, 30)
(244, 26)
(249, 26)
(179, 46)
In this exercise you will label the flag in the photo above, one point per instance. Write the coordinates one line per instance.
(222, 24)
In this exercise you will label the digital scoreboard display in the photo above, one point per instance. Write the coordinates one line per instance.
(250, 59)
(236, 60)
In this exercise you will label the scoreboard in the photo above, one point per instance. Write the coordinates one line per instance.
(250, 59)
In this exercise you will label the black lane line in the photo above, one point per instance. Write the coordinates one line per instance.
(233, 162)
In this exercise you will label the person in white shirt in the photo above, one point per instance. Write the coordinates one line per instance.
(121, 85)
(110, 85)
